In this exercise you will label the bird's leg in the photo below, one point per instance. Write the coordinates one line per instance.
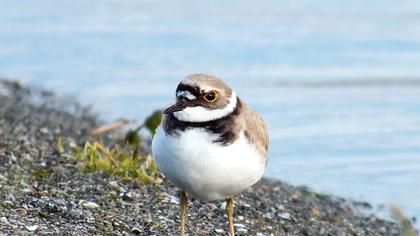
(229, 211)
(183, 211)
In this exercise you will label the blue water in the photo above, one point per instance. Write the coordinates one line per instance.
(337, 81)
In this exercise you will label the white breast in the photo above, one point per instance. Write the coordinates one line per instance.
(207, 170)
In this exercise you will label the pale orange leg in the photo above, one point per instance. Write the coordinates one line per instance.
(183, 211)
(229, 211)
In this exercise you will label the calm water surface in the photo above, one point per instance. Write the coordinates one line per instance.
(337, 81)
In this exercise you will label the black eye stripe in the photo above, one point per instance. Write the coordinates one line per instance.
(192, 89)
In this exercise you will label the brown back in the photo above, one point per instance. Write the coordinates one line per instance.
(255, 129)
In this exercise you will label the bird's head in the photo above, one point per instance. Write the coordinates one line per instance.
(202, 98)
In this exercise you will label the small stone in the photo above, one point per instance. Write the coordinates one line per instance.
(241, 230)
(246, 205)
(280, 207)
(21, 211)
(26, 157)
(44, 130)
(211, 206)
(88, 204)
(10, 198)
(341, 233)
(4, 220)
(219, 231)
(173, 199)
(135, 230)
(238, 225)
(7, 202)
(164, 219)
(26, 190)
(127, 196)
(75, 213)
(12, 157)
(267, 215)
(315, 211)
(5, 91)
(113, 184)
(284, 215)
(31, 227)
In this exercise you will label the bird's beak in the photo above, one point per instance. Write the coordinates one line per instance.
(178, 106)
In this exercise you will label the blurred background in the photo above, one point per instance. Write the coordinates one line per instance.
(337, 81)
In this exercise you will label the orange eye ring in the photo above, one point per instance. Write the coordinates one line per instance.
(211, 96)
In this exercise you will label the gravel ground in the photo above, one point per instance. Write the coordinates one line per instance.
(43, 191)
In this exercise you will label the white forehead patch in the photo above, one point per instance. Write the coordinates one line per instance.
(186, 94)
(202, 114)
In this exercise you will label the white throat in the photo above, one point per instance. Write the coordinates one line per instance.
(202, 114)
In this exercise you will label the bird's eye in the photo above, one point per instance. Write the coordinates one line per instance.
(211, 96)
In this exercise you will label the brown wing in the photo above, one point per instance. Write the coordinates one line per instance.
(256, 130)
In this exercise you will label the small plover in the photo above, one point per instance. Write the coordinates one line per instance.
(210, 143)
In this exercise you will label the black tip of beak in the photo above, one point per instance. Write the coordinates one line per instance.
(178, 106)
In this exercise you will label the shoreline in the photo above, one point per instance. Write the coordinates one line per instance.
(44, 191)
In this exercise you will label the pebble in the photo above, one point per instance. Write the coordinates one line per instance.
(7, 202)
(44, 130)
(241, 230)
(4, 220)
(88, 204)
(219, 231)
(113, 184)
(239, 225)
(284, 215)
(246, 205)
(173, 200)
(135, 230)
(31, 227)
(127, 196)
(165, 219)
(341, 233)
(280, 207)
(267, 215)
(21, 211)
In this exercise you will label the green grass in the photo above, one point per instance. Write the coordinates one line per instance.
(117, 160)
(123, 160)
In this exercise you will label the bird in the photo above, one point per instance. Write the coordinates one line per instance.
(210, 144)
